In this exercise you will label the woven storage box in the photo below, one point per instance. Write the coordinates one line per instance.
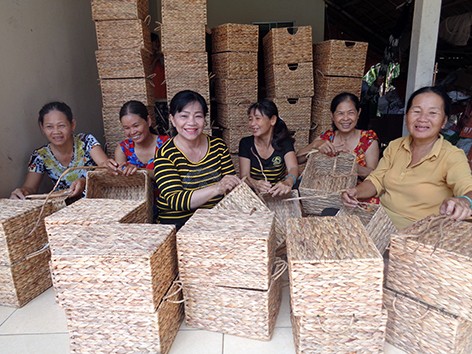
(235, 159)
(340, 58)
(418, 328)
(123, 63)
(323, 178)
(334, 268)
(232, 136)
(240, 312)
(191, 11)
(227, 248)
(288, 45)
(95, 331)
(123, 34)
(119, 10)
(233, 37)
(116, 92)
(236, 91)
(296, 112)
(242, 199)
(113, 266)
(339, 334)
(431, 261)
(235, 65)
(326, 87)
(289, 80)
(376, 221)
(181, 36)
(317, 129)
(233, 115)
(301, 137)
(283, 209)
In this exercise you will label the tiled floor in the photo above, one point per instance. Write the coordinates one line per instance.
(40, 328)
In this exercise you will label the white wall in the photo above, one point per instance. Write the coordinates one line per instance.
(48, 53)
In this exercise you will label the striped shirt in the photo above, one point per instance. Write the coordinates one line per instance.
(177, 178)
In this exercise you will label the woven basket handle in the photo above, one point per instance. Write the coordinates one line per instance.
(350, 44)
(394, 302)
(280, 268)
(353, 317)
(179, 285)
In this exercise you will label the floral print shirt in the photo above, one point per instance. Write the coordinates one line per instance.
(127, 146)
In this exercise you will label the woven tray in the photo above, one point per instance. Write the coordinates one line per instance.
(233, 116)
(288, 45)
(418, 328)
(339, 334)
(123, 63)
(289, 80)
(242, 199)
(376, 221)
(123, 34)
(340, 58)
(103, 10)
(431, 261)
(233, 37)
(240, 312)
(236, 91)
(227, 248)
(111, 331)
(235, 65)
(334, 268)
(296, 112)
(116, 92)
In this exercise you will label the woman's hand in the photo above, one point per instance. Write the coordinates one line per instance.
(128, 169)
(125, 169)
(280, 188)
(227, 184)
(19, 193)
(113, 166)
(261, 186)
(456, 208)
(328, 148)
(77, 187)
(349, 197)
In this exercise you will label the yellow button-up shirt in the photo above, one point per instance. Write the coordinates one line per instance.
(410, 193)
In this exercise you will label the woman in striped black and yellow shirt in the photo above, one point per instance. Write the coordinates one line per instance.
(192, 170)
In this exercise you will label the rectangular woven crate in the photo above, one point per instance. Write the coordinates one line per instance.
(227, 248)
(123, 34)
(301, 136)
(296, 112)
(232, 136)
(116, 92)
(289, 80)
(326, 87)
(241, 312)
(235, 65)
(233, 115)
(317, 129)
(182, 36)
(111, 267)
(103, 10)
(340, 58)
(376, 221)
(235, 91)
(418, 328)
(334, 268)
(123, 63)
(235, 37)
(288, 45)
(111, 331)
(431, 261)
(339, 334)
(192, 11)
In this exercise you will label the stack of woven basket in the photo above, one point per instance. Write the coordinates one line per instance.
(227, 265)
(289, 76)
(234, 63)
(338, 66)
(429, 287)
(124, 58)
(24, 250)
(336, 276)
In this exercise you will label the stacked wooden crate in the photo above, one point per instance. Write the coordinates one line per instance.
(429, 287)
(336, 277)
(234, 63)
(124, 58)
(338, 67)
(289, 77)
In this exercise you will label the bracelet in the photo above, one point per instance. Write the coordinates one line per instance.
(293, 178)
(467, 198)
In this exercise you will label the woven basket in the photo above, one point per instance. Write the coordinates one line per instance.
(240, 312)
(334, 268)
(94, 331)
(235, 159)
(191, 11)
(340, 58)
(339, 334)
(418, 328)
(317, 129)
(232, 37)
(242, 199)
(103, 10)
(233, 115)
(301, 137)
(288, 45)
(123, 34)
(289, 80)
(181, 36)
(232, 137)
(376, 221)
(123, 63)
(431, 261)
(227, 248)
(235, 65)
(236, 91)
(296, 112)
(115, 92)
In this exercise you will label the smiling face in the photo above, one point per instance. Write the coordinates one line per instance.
(426, 116)
(260, 124)
(57, 128)
(135, 127)
(345, 116)
(190, 122)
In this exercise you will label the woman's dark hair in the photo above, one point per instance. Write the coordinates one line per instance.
(138, 108)
(182, 99)
(433, 89)
(281, 132)
(55, 106)
(342, 97)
